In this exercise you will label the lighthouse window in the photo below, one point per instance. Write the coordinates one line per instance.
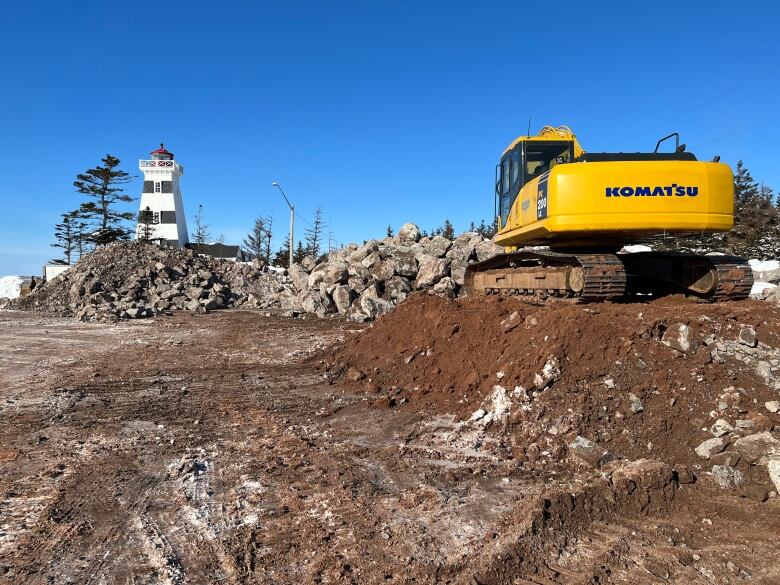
(167, 186)
(167, 217)
(148, 186)
(157, 187)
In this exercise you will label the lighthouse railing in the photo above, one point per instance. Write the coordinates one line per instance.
(156, 163)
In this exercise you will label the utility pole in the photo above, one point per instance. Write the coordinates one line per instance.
(292, 221)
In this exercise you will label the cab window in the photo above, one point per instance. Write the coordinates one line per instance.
(540, 157)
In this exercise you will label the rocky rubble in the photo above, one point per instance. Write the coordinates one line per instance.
(132, 280)
(366, 281)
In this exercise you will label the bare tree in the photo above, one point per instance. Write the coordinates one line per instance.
(201, 233)
(313, 234)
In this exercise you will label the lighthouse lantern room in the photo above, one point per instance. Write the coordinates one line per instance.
(161, 200)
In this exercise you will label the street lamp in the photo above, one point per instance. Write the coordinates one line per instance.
(292, 220)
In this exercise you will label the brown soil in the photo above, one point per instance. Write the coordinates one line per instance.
(443, 356)
(202, 449)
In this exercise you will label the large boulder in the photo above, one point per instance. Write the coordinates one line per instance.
(461, 251)
(409, 233)
(316, 303)
(299, 276)
(487, 249)
(384, 270)
(458, 271)
(405, 264)
(397, 288)
(374, 308)
(436, 246)
(431, 271)
(343, 297)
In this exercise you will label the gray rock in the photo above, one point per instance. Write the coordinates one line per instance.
(679, 337)
(374, 308)
(588, 452)
(299, 276)
(445, 287)
(430, 272)
(726, 476)
(460, 251)
(372, 291)
(773, 467)
(397, 288)
(343, 297)
(409, 233)
(486, 250)
(758, 448)
(458, 271)
(635, 404)
(195, 293)
(406, 265)
(721, 427)
(711, 447)
(383, 270)
(313, 302)
(371, 260)
(772, 405)
(747, 336)
(436, 246)
(308, 263)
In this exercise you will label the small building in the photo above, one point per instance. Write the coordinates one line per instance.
(219, 251)
(161, 212)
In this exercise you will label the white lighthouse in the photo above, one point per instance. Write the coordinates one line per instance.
(161, 200)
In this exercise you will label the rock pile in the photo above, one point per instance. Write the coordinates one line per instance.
(366, 281)
(132, 280)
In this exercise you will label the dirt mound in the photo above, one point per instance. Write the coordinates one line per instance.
(627, 380)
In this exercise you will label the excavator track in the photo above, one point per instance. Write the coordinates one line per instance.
(546, 274)
(595, 277)
(714, 278)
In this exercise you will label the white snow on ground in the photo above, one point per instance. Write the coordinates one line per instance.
(10, 286)
(759, 288)
(764, 265)
(636, 248)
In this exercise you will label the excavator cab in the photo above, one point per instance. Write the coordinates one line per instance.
(528, 159)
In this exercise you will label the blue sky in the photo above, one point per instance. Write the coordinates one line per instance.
(380, 112)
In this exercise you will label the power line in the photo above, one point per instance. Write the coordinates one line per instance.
(738, 131)
(697, 106)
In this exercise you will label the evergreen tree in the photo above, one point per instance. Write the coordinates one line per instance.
(201, 233)
(65, 236)
(81, 233)
(282, 256)
(146, 224)
(103, 186)
(447, 230)
(313, 234)
(299, 254)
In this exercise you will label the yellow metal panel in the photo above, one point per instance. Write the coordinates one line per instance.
(625, 199)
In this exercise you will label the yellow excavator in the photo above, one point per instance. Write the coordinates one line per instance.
(563, 214)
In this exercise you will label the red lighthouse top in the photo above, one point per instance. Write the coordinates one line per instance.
(161, 153)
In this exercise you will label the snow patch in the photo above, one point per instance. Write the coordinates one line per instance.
(633, 248)
(10, 286)
(764, 265)
(759, 287)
